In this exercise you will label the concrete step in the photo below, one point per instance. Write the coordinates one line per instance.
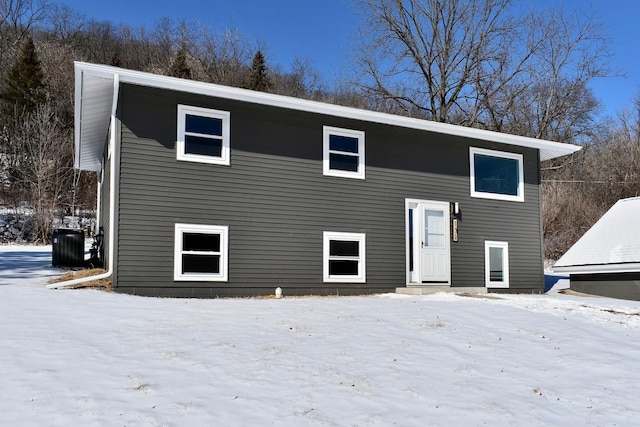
(426, 290)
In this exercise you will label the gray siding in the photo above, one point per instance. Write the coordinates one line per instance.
(612, 285)
(277, 203)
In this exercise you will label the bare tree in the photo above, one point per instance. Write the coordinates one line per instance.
(578, 192)
(551, 99)
(223, 58)
(426, 56)
(302, 81)
(57, 64)
(474, 62)
(46, 166)
(65, 25)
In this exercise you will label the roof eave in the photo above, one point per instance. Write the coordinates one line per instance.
(548, 149)
(598, 268)
(94, 90)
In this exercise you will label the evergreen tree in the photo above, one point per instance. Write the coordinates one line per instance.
(24, 88)
(258, 78)
(116, 61)
(179, 67)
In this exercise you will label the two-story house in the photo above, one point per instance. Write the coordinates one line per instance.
(206, 190)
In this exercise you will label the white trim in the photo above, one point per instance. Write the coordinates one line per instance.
(99, 185)
(222, 231)
(415, 204)
(631, 267)
(410, 204)
(101, 172)
(328, 236)
(327, 131)
(78, 118)
(500, 154)
(225, 116)
(504, 283)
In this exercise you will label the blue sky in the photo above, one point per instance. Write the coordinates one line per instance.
(320, 30)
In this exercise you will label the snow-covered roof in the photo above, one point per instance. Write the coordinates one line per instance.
(612, 245)
(97, 89)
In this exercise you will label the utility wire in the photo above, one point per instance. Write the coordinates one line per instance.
(575, 181)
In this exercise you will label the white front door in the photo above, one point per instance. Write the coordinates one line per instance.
(434, 251)
(429, 242)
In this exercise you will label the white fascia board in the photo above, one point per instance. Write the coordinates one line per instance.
(598, 268)
(548, 149)
(77, 126)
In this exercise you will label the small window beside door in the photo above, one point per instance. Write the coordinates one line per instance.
(496, 264)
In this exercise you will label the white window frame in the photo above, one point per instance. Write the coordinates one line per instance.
(221, 230)
(504, 283)
(328, 236)
(225, 116)
(359, 135)
(501, 154)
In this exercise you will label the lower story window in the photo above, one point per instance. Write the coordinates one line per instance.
(496, 264)
(201, 252)
(344, 257)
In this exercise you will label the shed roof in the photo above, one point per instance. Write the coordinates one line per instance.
(612, 245)
(96, 94)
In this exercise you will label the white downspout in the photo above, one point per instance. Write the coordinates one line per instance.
(100, 180)
(112, 192)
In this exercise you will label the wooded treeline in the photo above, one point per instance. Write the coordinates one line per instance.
(40, 40)
(481, 63)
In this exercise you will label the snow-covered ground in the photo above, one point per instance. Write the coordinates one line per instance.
(85, 357)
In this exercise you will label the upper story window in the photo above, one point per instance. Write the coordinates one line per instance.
(201, 252)
(496, 175)
(203, 135)
(343, 152)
